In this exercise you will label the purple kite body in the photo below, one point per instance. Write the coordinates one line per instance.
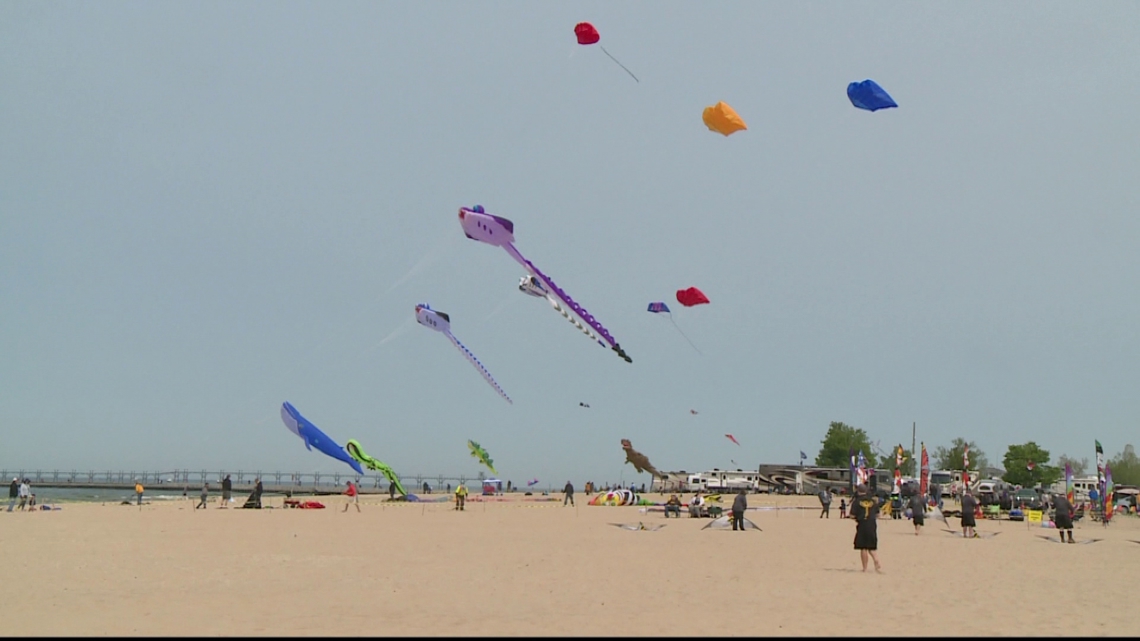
(496, 230)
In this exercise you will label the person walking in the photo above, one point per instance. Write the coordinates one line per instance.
(569, 494)
(917, 512)
(969, 504)
(865, 509)
(24, 492)
(739, 505)
(13, 493)
(353, 496)
(138, 491)
(1063, 517)
(227, 489)
(825, 501)
(205, 496)
(461, 497)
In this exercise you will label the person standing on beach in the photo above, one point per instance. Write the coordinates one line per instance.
(865, 509)
(392, 491)
(825, 501)
(1063, 516)
(227, 488)
(461, 497)
(13, 493)
(205, 496)
(25, 491)
(969, 504)
(917, 512)
(257, 489)
(569, 492)
(139, 490)
(843, 508)
(353, 496)
(739, 505)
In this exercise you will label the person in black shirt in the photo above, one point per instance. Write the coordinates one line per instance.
(969, 504)
(917, 512)
(1063, 516)
(739, 505)
(13, 493)
(865, 509)
(227, 488)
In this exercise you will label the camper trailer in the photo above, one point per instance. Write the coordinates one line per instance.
(1081, 487)
(725, 481)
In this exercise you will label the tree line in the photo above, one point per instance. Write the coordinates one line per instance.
(1027, 464)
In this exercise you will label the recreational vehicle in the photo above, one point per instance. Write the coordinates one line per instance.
(1081, 487)
(725, 481)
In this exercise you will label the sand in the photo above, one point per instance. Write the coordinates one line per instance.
(524, 568)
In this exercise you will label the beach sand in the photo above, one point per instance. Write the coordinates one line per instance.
(517, 567)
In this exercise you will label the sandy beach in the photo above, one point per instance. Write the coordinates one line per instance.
(515, 567)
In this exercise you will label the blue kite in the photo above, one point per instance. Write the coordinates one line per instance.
(870, 96)
(313, 437)
(661, 308)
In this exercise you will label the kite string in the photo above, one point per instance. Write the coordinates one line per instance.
(683, 334)
(618, 63)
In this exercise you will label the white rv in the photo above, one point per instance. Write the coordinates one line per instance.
(725, 481)
(1081, 487)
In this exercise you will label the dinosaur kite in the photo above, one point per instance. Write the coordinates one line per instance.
(640, 461)
(358, 453)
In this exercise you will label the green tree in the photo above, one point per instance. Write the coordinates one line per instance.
(1125, 467)
(951, 458)
(1079, 466)
(841, 439)
(1017, 459)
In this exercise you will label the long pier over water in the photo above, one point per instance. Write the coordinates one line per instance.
(243, 481)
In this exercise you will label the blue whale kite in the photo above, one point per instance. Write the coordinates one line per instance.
(314, 437)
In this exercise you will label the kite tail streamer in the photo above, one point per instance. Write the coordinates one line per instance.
(573, 321)
(683, 334)
(565, 298)
(479, 366)
(619, 63)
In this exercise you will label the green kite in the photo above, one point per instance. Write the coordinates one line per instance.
(478, 452)
(358, 454)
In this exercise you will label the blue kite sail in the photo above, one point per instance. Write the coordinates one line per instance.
(314, 437)
(661, 308)
(870, 96)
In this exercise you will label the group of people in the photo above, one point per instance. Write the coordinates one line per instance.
(227, 491)
(22, 491)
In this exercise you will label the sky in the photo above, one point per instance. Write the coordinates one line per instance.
(210, 208)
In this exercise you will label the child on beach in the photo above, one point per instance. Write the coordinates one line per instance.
(205, 495)
(842, 508)
(865, 510)
(353, 496)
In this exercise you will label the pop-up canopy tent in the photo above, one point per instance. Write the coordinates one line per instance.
(492, 486)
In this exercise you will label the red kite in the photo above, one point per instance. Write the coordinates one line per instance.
(587, 34)
(691, 296)
(732, 438)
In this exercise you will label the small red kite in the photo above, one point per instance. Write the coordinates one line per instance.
(733, 439)
(587, 34)
(691, 296)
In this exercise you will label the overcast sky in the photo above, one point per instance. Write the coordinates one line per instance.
(209, 208)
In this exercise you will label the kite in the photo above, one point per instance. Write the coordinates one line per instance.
(617, 498)
(313, 437)
(732, 438)
(587, 34)
(662, 308)
(691, 296)
(639, 527)
(481, 454)
(870, 96)
(441, 322)
(533, 287)
(725, 522)
(640, 461)
(586, 405)
(358, 454)
(532, 482)
(693, 412)
(723, 119)
(498, 231)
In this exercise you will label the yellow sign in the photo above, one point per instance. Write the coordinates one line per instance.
(1033, 516)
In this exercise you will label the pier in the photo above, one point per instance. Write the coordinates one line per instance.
(320, 483)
